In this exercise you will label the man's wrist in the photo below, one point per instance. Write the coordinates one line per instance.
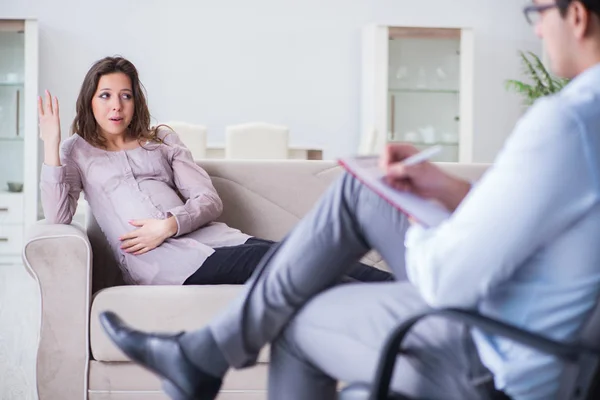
(455, 192)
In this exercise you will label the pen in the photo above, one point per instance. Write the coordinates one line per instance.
(422, 156)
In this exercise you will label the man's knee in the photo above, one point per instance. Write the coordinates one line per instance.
(284, 346)
(348, 179)
(348, 185)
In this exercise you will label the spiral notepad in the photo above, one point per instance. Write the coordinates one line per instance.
(367, 171)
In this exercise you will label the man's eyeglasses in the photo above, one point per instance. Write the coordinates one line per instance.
(534, 11)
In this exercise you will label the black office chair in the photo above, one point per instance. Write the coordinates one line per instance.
(581, 380)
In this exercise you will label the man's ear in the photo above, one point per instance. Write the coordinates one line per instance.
(580, 18)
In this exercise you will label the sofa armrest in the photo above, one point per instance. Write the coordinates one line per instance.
(59, 257)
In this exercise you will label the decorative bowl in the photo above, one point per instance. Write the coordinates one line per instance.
(15, 187)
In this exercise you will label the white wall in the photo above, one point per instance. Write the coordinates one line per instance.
(288, 62)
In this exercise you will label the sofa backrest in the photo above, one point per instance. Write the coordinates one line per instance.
(266, 199)
(261, 198)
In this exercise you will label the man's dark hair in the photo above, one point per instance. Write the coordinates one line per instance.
(592, 5)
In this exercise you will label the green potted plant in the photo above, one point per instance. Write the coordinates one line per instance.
(542, 82)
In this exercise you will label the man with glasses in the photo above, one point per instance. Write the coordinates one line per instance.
(521, 246)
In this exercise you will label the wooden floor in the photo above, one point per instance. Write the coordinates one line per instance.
(19, 325)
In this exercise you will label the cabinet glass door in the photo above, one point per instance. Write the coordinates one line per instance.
(12, 75)
(424, 88)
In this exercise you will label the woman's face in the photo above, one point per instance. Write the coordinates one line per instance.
(113, 104)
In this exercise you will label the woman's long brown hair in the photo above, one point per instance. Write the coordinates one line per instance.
(85, 124)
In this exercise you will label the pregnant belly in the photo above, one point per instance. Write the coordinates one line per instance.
(130, 204)
(161, 195)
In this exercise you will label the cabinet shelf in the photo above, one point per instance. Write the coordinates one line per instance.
(433, 91)
(417, 143)
(12, 84)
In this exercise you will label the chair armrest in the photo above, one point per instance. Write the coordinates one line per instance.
(59, 257)
(565, 351)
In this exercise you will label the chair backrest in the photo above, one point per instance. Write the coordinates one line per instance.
(586, 375)
(256, 141)
(591, 337)
(193, 136)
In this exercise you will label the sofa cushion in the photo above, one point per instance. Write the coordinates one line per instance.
(127, 377)
(157, 309)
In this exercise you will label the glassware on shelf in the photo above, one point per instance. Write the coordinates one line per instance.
(12, 77)
(440, 78)
(402, 74)
(428, 134)
(441, 74)
(422, 79)
(449, 137)
(411, 137)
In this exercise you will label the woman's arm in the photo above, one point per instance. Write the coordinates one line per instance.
(60, 182)
(203, 204)
(60, 187)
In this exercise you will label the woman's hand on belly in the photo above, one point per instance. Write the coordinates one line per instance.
(150, 234)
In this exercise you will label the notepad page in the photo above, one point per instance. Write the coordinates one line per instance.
(367, 171)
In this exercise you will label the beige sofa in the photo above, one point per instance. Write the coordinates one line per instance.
(77, 280)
